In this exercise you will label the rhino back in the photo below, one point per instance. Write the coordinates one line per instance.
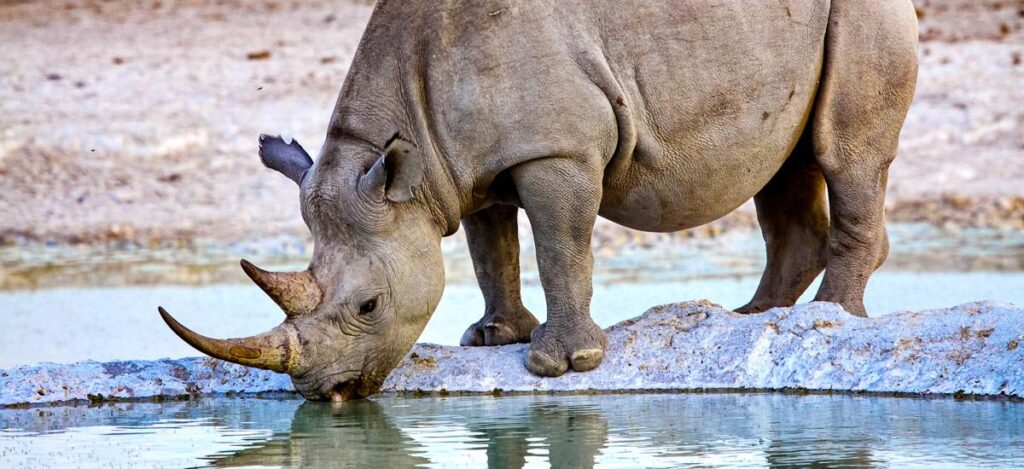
(686, 89)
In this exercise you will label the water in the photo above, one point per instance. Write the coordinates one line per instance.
(68, 304)
(122, 323)
(65, 306)
(667, 430)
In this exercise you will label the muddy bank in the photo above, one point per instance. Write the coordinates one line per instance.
(136, 121)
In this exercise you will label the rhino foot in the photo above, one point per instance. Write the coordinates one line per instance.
(754, 308)
(553, 350)
(500, 328)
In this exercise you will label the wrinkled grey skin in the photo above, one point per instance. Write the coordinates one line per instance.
(659, 116)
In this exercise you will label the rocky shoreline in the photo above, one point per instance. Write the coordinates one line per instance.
(971, 350)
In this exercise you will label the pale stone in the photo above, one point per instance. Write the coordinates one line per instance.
(972, 349)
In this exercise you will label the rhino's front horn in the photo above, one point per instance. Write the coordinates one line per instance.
(275, 350)
(296, 293)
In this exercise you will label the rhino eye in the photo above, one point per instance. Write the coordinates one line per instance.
(368, 307)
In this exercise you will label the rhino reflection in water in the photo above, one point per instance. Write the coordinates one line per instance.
(570, 432)
(364, 434)
(323, 435)
(658, 115)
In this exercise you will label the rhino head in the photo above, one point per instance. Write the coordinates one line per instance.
(375, 278)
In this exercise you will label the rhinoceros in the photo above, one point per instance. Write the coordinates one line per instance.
(657, 115)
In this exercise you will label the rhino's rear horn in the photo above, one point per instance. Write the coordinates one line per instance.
(296, 293)
(286, 157)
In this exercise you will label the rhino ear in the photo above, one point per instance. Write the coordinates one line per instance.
(286, 157)
(396, 173)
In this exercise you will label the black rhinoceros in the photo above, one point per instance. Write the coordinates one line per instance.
(657, 115)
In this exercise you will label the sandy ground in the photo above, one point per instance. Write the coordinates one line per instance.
(137, 120)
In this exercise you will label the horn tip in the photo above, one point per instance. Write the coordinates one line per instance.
(250, 269)
(176, 327)
(171, 322)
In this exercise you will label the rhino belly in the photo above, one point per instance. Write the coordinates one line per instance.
(709, 168)
(711, 115)
(691, 190)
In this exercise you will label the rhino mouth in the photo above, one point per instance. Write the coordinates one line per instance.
(346, 390)
(331, 386)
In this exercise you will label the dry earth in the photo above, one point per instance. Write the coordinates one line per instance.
(137, 120)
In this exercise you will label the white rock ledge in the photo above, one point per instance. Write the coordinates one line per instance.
(974, 349)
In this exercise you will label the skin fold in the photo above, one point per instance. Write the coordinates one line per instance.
(659, 116)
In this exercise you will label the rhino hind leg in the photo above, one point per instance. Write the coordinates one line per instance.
(868, 82)
(493, 236)
(792, 212)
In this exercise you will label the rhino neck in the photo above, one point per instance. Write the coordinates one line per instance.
(441, 194)
(378, 100)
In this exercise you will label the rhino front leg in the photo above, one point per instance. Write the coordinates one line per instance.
(562, 197)
(493, 237)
